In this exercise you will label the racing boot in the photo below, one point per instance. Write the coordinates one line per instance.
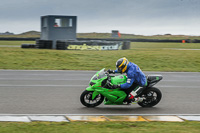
(130, 96)
(130, 99)
(137, 99)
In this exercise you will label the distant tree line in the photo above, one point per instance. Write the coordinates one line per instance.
(7, 33)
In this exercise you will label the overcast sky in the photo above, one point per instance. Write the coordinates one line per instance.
(146, 17)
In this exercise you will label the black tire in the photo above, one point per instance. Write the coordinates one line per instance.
(86, 99)
(153, 97)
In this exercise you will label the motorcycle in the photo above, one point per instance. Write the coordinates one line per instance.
(100, 90)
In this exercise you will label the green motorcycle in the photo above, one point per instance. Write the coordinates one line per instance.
(100, 91)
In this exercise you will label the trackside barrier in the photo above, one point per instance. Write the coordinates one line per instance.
(97, 118)
(106, 39)
(92, 45)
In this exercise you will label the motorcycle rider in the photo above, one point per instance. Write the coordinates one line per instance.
(136, 79)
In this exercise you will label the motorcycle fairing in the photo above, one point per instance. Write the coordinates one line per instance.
(153, 79)
(113, 96)
(120, 79)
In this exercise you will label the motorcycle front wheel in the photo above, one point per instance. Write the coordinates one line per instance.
(152, 97)
(86, 99)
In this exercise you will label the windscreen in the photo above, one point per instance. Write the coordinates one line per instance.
(99, 75)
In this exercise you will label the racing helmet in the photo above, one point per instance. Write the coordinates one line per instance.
(122, 64)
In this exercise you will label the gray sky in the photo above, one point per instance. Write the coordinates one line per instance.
(146, 17)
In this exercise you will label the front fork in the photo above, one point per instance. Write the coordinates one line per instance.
(94, 94)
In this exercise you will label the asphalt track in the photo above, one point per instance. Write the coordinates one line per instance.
(58, 92)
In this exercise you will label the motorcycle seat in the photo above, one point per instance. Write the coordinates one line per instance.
(153, 78)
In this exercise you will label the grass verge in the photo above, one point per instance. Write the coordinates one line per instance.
(101, 127)
(149, 56)
(10, 43)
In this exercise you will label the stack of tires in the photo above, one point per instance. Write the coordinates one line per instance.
(28, 46)
(196, 41)
(44, 44)
(126, 45)
(60, 45)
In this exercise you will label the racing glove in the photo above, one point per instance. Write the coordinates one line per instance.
(111, 71)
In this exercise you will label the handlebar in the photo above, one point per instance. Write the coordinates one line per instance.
(108, 75)
(109, 80)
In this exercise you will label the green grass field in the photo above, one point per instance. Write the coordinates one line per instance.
(101, 127)
(149, 56)
(11, 43)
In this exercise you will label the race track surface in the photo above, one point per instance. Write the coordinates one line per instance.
(58, 92)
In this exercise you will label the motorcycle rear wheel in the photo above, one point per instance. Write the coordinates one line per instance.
(153, 97)
(86, 99)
